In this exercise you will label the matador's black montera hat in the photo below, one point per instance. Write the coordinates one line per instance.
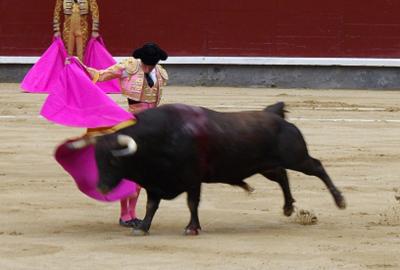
(150, 54)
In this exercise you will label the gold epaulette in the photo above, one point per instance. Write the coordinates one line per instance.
(163, 72)
(131, 65)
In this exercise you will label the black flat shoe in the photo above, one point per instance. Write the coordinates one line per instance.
(133, 223)
(125, 223)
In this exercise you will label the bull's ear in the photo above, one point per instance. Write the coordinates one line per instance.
(129, 144)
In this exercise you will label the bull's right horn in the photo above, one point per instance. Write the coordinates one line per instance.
(129, 142)
(82, 143)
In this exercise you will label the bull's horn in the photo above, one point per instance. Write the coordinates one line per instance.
(130, 144)
(82, 143)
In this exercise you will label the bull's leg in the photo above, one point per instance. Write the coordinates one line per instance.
(153, 202)
(193, 201)
(314, 167)
(249, 189)
(279, 175)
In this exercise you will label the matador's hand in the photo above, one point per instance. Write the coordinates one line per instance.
(95, 34)
(57, 34)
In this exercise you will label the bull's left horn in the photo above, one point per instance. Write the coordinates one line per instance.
(82, 143)
(129, 142)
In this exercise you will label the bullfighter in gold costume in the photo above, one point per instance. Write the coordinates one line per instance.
(76, 23)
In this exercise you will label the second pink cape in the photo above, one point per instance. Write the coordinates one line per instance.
(97, 56)
(75, 101)
(43, 76)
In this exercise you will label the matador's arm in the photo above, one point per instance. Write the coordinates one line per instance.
(110, 73)
(94, 10)
(101, 75)
(57, 16)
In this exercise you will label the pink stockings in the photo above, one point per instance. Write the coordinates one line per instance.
(128, 206)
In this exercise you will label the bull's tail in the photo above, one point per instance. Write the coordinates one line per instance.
(277, 108)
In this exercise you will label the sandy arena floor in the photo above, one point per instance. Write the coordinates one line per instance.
(46, 223)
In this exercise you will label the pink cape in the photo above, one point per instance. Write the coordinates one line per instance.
(75, 101)
(97, 56)
(43, 76)
(81, 165)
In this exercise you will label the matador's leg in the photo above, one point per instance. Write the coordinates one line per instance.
(85, 31)
(67, 32)
(79, 44)
(71, 43)
(75, 33)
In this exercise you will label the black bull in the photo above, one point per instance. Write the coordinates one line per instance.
(175, 148)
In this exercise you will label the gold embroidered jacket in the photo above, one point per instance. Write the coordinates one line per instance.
(85, 7)
(133, 83)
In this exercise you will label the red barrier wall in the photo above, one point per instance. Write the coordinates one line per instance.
(307, 28)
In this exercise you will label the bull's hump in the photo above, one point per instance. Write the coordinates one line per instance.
(183, 108)
(194, 119)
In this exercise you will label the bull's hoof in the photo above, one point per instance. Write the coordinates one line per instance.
(138, 232)
(288, 211)
(193, 232)
(341, 203)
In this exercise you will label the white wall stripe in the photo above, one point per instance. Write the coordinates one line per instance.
(263, 61)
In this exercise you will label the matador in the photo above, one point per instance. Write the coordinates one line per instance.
(75, 32)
